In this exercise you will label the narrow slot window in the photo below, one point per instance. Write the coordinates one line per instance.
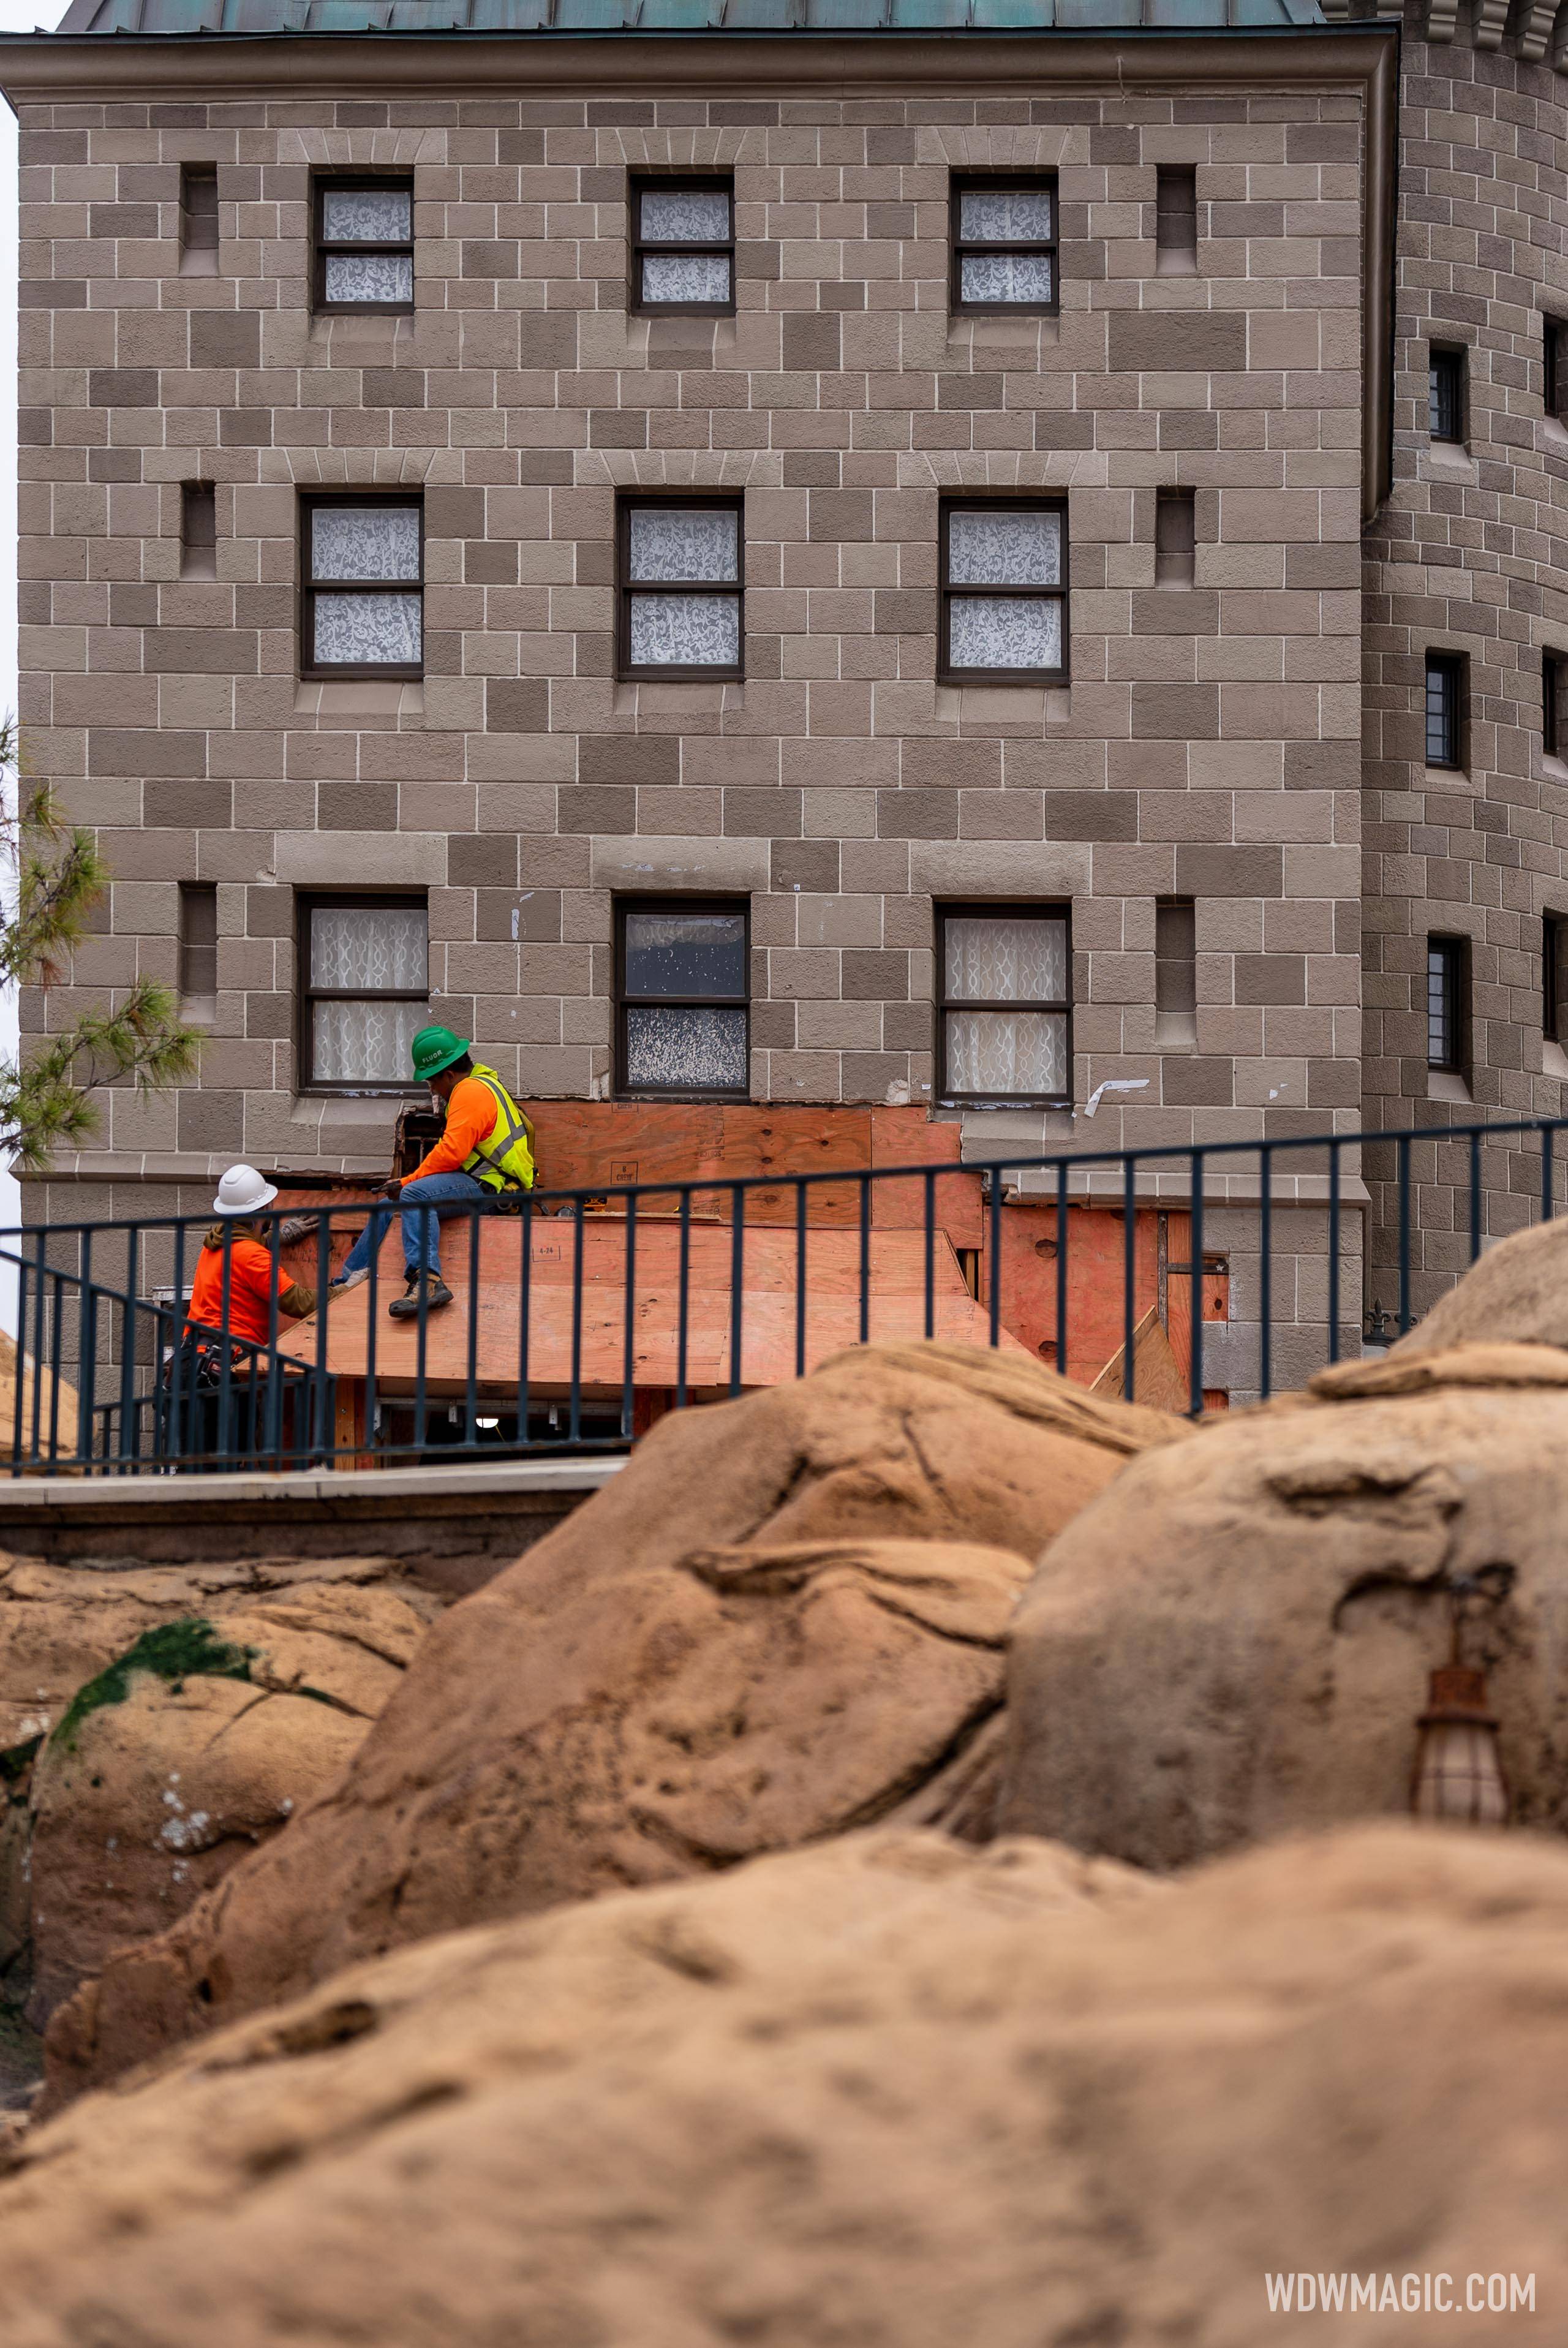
(1446, 396)
(1555, 365)
(365, 245)
(198, 531)
(198, 220)
(1175, 537)
(1553, 708)
(681, 588)
(1445, 1004)
(1004, 244)
(1004, 1011)
(682, 1009)
(682, 246)
(1176, 971)
(1554, 979)
(199, 949)
(361, 567)
(1176, 221)
(1444, 699)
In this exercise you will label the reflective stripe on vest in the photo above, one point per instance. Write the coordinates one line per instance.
(504, 1151)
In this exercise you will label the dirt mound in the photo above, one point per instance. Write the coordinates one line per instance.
(889, 2090)
(1235, 1640)
(738, 1645)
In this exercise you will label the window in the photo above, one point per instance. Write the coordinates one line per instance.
(682, 246)
(1175, 221)
(198, 220)
(364, 245)
(1175, 537)
(1554, 979)
(1176, 971)
(198, 531)
(365, 986)
(1445, 1004)
(1004, 235)
(1004, 1005)
(362, 600)
(1003, 592)
(1445, 676)
(199, 949)
(1554, 358)
(1553, 705)
(681, 584)
(682, 999)
(1445, 395)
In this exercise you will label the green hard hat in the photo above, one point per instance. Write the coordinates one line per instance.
(435, 1049)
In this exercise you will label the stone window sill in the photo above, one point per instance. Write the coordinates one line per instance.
(1447, 1085)
(363, 697)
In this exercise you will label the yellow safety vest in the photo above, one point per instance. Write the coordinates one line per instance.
(502, 1161)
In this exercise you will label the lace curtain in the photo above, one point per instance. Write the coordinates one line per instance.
(998, 547)
(368, 631)
(374, 948)
(686, 1050)
(1004, 216)
(365, 542)
(1023, 277)
(685, 277)
(686, 632)
(997, 632)
(686, 216)
(1004, 959)
(684, 542)
(370, 277)
(366, 216)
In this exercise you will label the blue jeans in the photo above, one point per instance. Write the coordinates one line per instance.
(444, 1194)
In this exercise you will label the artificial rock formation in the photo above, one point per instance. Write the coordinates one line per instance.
(1235, 1640)
(889, 2090)
(1516, 1292)
(747, 1640)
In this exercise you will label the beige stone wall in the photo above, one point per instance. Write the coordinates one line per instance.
(1207, 745)
(1470, 555)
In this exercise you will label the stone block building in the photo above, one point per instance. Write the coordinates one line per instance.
(810, 553)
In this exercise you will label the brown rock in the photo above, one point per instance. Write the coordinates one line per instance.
(738, 1645)
(889, 2091)
(1235, 1640)
(188, 1753)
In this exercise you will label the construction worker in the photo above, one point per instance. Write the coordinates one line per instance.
(486, 1151)
(238, 1274)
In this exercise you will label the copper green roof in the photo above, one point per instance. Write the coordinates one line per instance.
(252, 17)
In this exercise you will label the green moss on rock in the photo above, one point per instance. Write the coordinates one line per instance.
(188, 1649)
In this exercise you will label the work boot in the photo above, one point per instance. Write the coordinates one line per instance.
(430, 1285)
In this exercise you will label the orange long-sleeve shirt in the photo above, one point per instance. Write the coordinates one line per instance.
(470, 1113)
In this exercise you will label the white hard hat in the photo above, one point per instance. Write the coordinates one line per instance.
(242, 1191)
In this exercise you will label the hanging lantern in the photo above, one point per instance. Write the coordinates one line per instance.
(1458, 1773)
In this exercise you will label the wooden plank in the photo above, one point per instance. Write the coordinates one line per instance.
(907, 1137)
(1158, 1380)
(785, 1138)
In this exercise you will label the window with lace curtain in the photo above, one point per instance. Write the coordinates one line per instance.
(682, 564)
(1004, 591)
(1003, 243)
(1003, 1005)
(362, 593)
(364, 245)
(682, 246)
(683, 999)
(364, 991)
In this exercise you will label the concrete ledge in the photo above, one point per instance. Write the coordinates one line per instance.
(396, 1488)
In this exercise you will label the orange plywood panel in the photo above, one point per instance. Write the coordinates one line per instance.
(906, 1137)
(1158, 1380)
(583, 1144)
(796, 1139)
(1096, 1282)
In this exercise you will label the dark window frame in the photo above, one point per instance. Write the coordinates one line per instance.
(1554, 978)
(638, 904)
(995, 909)
(1445, 388)
(308, 902)
(676, 502)
(1001, 502)
(1554, 365)
(353, 672)
(323, 183)
(640, 183)
(963, 182)
(1450, 665)
(1553, 702)
(1454, 1013)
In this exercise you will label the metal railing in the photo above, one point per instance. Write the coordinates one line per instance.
(581, 1313)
